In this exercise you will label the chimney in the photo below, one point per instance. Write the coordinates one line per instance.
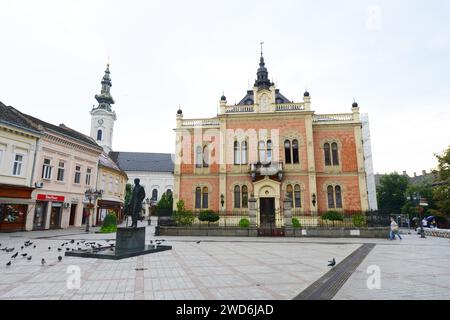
(424, 172)
(404, 173)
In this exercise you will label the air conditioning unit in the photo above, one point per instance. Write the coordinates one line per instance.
(66, 205)
(39, 184)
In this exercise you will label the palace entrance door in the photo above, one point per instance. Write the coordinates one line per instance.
(267, 218)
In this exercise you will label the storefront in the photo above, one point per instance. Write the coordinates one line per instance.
(15, 202)
(48, 210)
(105, 207)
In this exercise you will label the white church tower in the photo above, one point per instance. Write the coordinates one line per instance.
(102, 116)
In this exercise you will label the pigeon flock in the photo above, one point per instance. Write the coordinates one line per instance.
(71, 245)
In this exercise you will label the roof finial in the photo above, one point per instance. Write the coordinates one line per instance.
(261, 43)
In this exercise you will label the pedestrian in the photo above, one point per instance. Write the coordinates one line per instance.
(394, 230)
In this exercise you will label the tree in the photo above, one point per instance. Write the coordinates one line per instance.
(426, 192)
(128, 192)
(441, 192)
(391, 193)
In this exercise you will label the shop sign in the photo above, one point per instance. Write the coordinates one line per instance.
(50, 197)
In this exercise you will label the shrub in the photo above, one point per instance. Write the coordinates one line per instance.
(166, 202)
(180, 206)
(244, 223)
(333, 216)
(359, 220)
(208, 216)
(183, 218)
(109, 224)
(296, 223)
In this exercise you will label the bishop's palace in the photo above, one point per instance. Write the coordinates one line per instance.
(267, 152)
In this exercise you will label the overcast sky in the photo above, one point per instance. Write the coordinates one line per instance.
(393, 57)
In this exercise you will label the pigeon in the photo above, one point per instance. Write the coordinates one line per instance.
(43, 261)
(67, 249)
(21, 248)
(332, 263)
(24, 254)
(59, 249)
(8, 264)
(29, 258)
(72, 241)
(49, 248)
(63, 245)
(15, 255)
(59, 258)
(34, 247)
(198, 242)
(78, 243)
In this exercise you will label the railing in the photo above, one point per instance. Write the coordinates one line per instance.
(200, 123)
(239, 109)
(226, 219)
(290, 107)
(347, 219)
(333, 117)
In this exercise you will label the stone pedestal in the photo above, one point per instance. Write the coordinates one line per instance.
(287, 213)
(130, 238)
(252, 211)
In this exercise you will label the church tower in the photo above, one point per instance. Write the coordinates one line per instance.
(102, 116)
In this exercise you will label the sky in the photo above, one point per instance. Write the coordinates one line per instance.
(393, 57)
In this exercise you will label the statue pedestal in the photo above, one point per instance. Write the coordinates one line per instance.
(130, 238)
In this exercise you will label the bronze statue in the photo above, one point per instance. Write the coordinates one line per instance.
(135, 207)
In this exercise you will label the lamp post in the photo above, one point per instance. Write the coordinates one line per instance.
(149, 220)
(415, 198)
(92, 195)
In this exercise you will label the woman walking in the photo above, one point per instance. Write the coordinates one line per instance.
(394, 230)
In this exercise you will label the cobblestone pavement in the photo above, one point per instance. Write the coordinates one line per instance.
(220, 268)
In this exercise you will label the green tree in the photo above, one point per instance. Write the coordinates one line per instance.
(441, 193)
(426, 192)
(391, 193)
(128, 192)
(166, 202)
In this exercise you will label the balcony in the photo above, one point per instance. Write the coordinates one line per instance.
(272, 169)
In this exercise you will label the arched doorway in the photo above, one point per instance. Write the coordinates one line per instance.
(267, 194)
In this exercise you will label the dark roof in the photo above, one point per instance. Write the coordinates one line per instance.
(64, 130)
(248, 99)
(428, 178)
(106, 161)
(141, 161)
(13, 117)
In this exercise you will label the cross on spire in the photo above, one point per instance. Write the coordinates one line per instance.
(261, 43)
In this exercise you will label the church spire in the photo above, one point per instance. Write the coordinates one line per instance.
(105, 100)
(262, 80)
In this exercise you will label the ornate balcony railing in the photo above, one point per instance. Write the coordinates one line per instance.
(266, 169)
(339, 117)
(239, 109)
(200, 123)
(290, 107)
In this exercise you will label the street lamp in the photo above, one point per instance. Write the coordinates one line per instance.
(415, 198)
(92, 195)
(148, 202)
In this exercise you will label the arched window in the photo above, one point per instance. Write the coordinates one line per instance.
(330, 193)
(237, 152)
(198, 198)
(155, 194)
(269, 150)
(205, 198)
(287, 152)
(297, 196)
(289, 194)
(338, 197)
(295, 155)
(334, 151)
(169, 192)
(205, 157)
(262, 151)
(237, 197)
(326, 150)
(244, 152)
(244, 197)
(99, 135)
(198, 157)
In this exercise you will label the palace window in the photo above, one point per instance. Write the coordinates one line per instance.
(269, 150)
(334, 197)
(262, 151)
(289, 194)
(99, 135)
(17, 166)
(244, 152)
(294, 195)
(205, 198)
(237, 197)
(205, 157)
(46, 170)
(295, 155)
(287, 152)
(198, 157)
(334, 153)
(155, 194)
(60, 175)
(77, 174)
(327, 155)
(291, 154)
(198, 198)
(237, 153)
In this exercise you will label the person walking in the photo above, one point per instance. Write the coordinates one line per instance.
(394, 230)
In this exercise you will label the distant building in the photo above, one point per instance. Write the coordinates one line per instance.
(424, 178)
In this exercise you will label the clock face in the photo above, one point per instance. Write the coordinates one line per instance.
(100, 121)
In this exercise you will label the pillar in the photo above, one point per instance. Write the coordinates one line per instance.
(252, 211)
(287, 213)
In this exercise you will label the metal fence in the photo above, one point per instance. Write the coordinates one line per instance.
(226, 219)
